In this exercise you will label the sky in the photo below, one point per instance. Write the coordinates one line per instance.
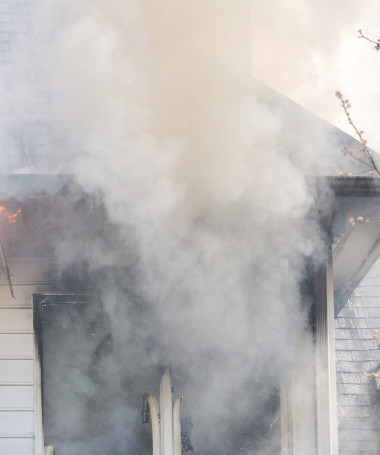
(307, 50)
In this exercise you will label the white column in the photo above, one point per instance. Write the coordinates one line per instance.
(327, 425)
(166, 407)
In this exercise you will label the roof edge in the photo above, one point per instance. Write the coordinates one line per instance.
(353, 186)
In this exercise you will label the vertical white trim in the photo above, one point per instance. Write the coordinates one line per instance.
(331, 357)
(285, 417)
(177, 443)
(300, 399)
(38, 429)
(155, 420)
(327, 425)
(166, 407)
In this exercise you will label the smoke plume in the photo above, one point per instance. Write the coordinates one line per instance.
(198, 247)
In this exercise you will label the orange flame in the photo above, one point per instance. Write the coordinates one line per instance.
(8, 214)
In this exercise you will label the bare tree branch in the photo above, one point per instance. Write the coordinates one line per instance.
(364, 154)
(376, 43)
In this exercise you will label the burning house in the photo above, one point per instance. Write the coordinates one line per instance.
(180, 272)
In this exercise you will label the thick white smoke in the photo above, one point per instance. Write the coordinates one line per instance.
(157, 117)
(161, 118)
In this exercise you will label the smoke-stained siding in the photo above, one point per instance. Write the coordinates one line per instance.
(357, 397)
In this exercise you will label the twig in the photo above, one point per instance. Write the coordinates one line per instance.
(375, 345)
(364, 150)
(376, 43)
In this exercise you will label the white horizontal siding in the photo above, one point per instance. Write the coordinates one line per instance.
(16, 397)
(22, 292)
(14, 345)
(16, 320)
(27, 270)
(16, 371)
(16, 446)
(17, 422)
(18, 435)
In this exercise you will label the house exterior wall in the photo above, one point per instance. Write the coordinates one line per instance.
(26, 144)
(25, 132)
(358, 415)
(18, 433)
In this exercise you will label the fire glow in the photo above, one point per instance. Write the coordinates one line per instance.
(11, 216)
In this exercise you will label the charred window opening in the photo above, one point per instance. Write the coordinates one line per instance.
(87, 406)
(91, 404)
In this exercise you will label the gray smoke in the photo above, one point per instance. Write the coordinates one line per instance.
(199, 247)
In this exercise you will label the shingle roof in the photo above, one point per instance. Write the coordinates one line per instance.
(307, 137)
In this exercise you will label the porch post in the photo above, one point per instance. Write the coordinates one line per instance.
(166, 414)
(326, 403)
